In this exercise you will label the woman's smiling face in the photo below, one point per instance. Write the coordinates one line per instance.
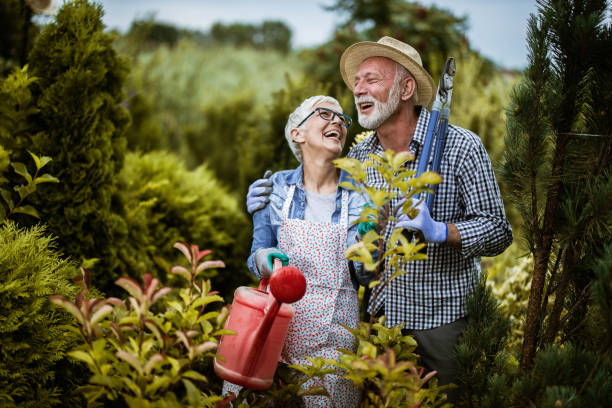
(319, 137)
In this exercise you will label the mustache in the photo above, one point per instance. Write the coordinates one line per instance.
(366, 98)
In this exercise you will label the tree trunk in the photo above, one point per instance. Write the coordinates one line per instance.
(542, 256)
(560, 295)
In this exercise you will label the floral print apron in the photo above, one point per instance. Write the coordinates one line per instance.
(317, 249)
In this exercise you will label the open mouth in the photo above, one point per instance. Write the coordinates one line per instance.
(332, 133)
(365, 107)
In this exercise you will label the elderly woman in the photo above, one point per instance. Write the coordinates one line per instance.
(309, 220)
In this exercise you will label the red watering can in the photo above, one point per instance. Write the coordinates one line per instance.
(260, 321)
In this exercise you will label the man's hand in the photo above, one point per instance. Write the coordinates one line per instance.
(259, 192)
(264, 259)
(433, 231)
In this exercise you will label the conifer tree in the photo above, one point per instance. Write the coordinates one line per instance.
(485, 367)
(557, 166)
(78, 93)
(34, 334)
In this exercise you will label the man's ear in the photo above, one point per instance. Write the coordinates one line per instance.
(296, 136)
(408, 84)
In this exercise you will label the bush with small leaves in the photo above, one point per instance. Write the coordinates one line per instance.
(34, 334)
(144, 353)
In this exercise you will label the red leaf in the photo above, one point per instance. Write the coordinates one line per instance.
(184, 249)
(202, 254)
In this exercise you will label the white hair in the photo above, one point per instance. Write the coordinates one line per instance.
(299, 114)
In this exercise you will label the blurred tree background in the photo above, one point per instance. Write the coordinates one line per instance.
(155, 135)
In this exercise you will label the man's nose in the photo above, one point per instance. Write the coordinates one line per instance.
(358, 89)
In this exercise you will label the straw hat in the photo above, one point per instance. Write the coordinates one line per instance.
(396, 50)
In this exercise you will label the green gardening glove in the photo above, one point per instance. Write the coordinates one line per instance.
(364, 227)
(264, 260)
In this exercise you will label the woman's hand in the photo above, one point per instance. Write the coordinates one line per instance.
(264, 259)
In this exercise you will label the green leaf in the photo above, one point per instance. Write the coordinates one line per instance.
(399, 159)
(69, 306)
(131, 286)
(46, 178)
(161, 381)
(84, 357)
(40, 161)
(156, 361)
(181, 271)
(193, 393)
(36, 159)
(348, 186)
(100, 314)
(430, 177)
(7, 196)
(194, 375)
(21, 169)
(27, 209)
(131, 360)
(374, 283)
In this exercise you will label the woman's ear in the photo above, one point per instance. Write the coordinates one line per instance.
(296, 136)
(407, 87)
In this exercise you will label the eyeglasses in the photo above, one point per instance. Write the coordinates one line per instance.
(329, 115)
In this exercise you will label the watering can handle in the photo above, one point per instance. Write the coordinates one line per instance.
(263, 284)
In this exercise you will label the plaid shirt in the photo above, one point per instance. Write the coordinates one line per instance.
(433, 291)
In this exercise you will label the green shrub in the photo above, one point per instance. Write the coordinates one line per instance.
(142, 357)
(384, 368)
(166, 203)
(33, 332)
(78, 94)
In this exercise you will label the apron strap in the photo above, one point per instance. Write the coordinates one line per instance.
(287, 202)
(344, 209)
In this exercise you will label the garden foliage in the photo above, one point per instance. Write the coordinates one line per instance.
(379, 256)
(78, 92)
(165, 203)
(384, 368)
(34, 334)
(142, 352)
(557, 165)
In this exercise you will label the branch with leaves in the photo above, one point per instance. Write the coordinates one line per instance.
(142, 357)
(15, 206)
(400, 183)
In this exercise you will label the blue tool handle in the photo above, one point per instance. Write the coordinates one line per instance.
(429, 137)
(438, 150)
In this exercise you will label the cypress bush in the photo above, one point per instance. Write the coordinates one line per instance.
(78, 94)
(166, 203)
(33, 333)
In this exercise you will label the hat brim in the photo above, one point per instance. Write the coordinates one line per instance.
(354, 55)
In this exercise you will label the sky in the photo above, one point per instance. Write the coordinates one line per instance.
(496, 28)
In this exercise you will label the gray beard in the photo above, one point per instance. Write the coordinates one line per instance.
(382, 111)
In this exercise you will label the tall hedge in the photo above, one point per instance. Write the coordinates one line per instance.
(33, 335)
(165, 203)
(78, 93)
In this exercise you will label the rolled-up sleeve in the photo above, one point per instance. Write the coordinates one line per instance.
(263, 236)
(484, 230)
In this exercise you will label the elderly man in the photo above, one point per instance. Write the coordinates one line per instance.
(392, 91)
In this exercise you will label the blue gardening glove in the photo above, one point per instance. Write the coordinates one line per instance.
(259, 192)
(433, 231)
(264, 259)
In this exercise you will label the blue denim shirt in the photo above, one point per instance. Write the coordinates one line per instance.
(267, 222)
